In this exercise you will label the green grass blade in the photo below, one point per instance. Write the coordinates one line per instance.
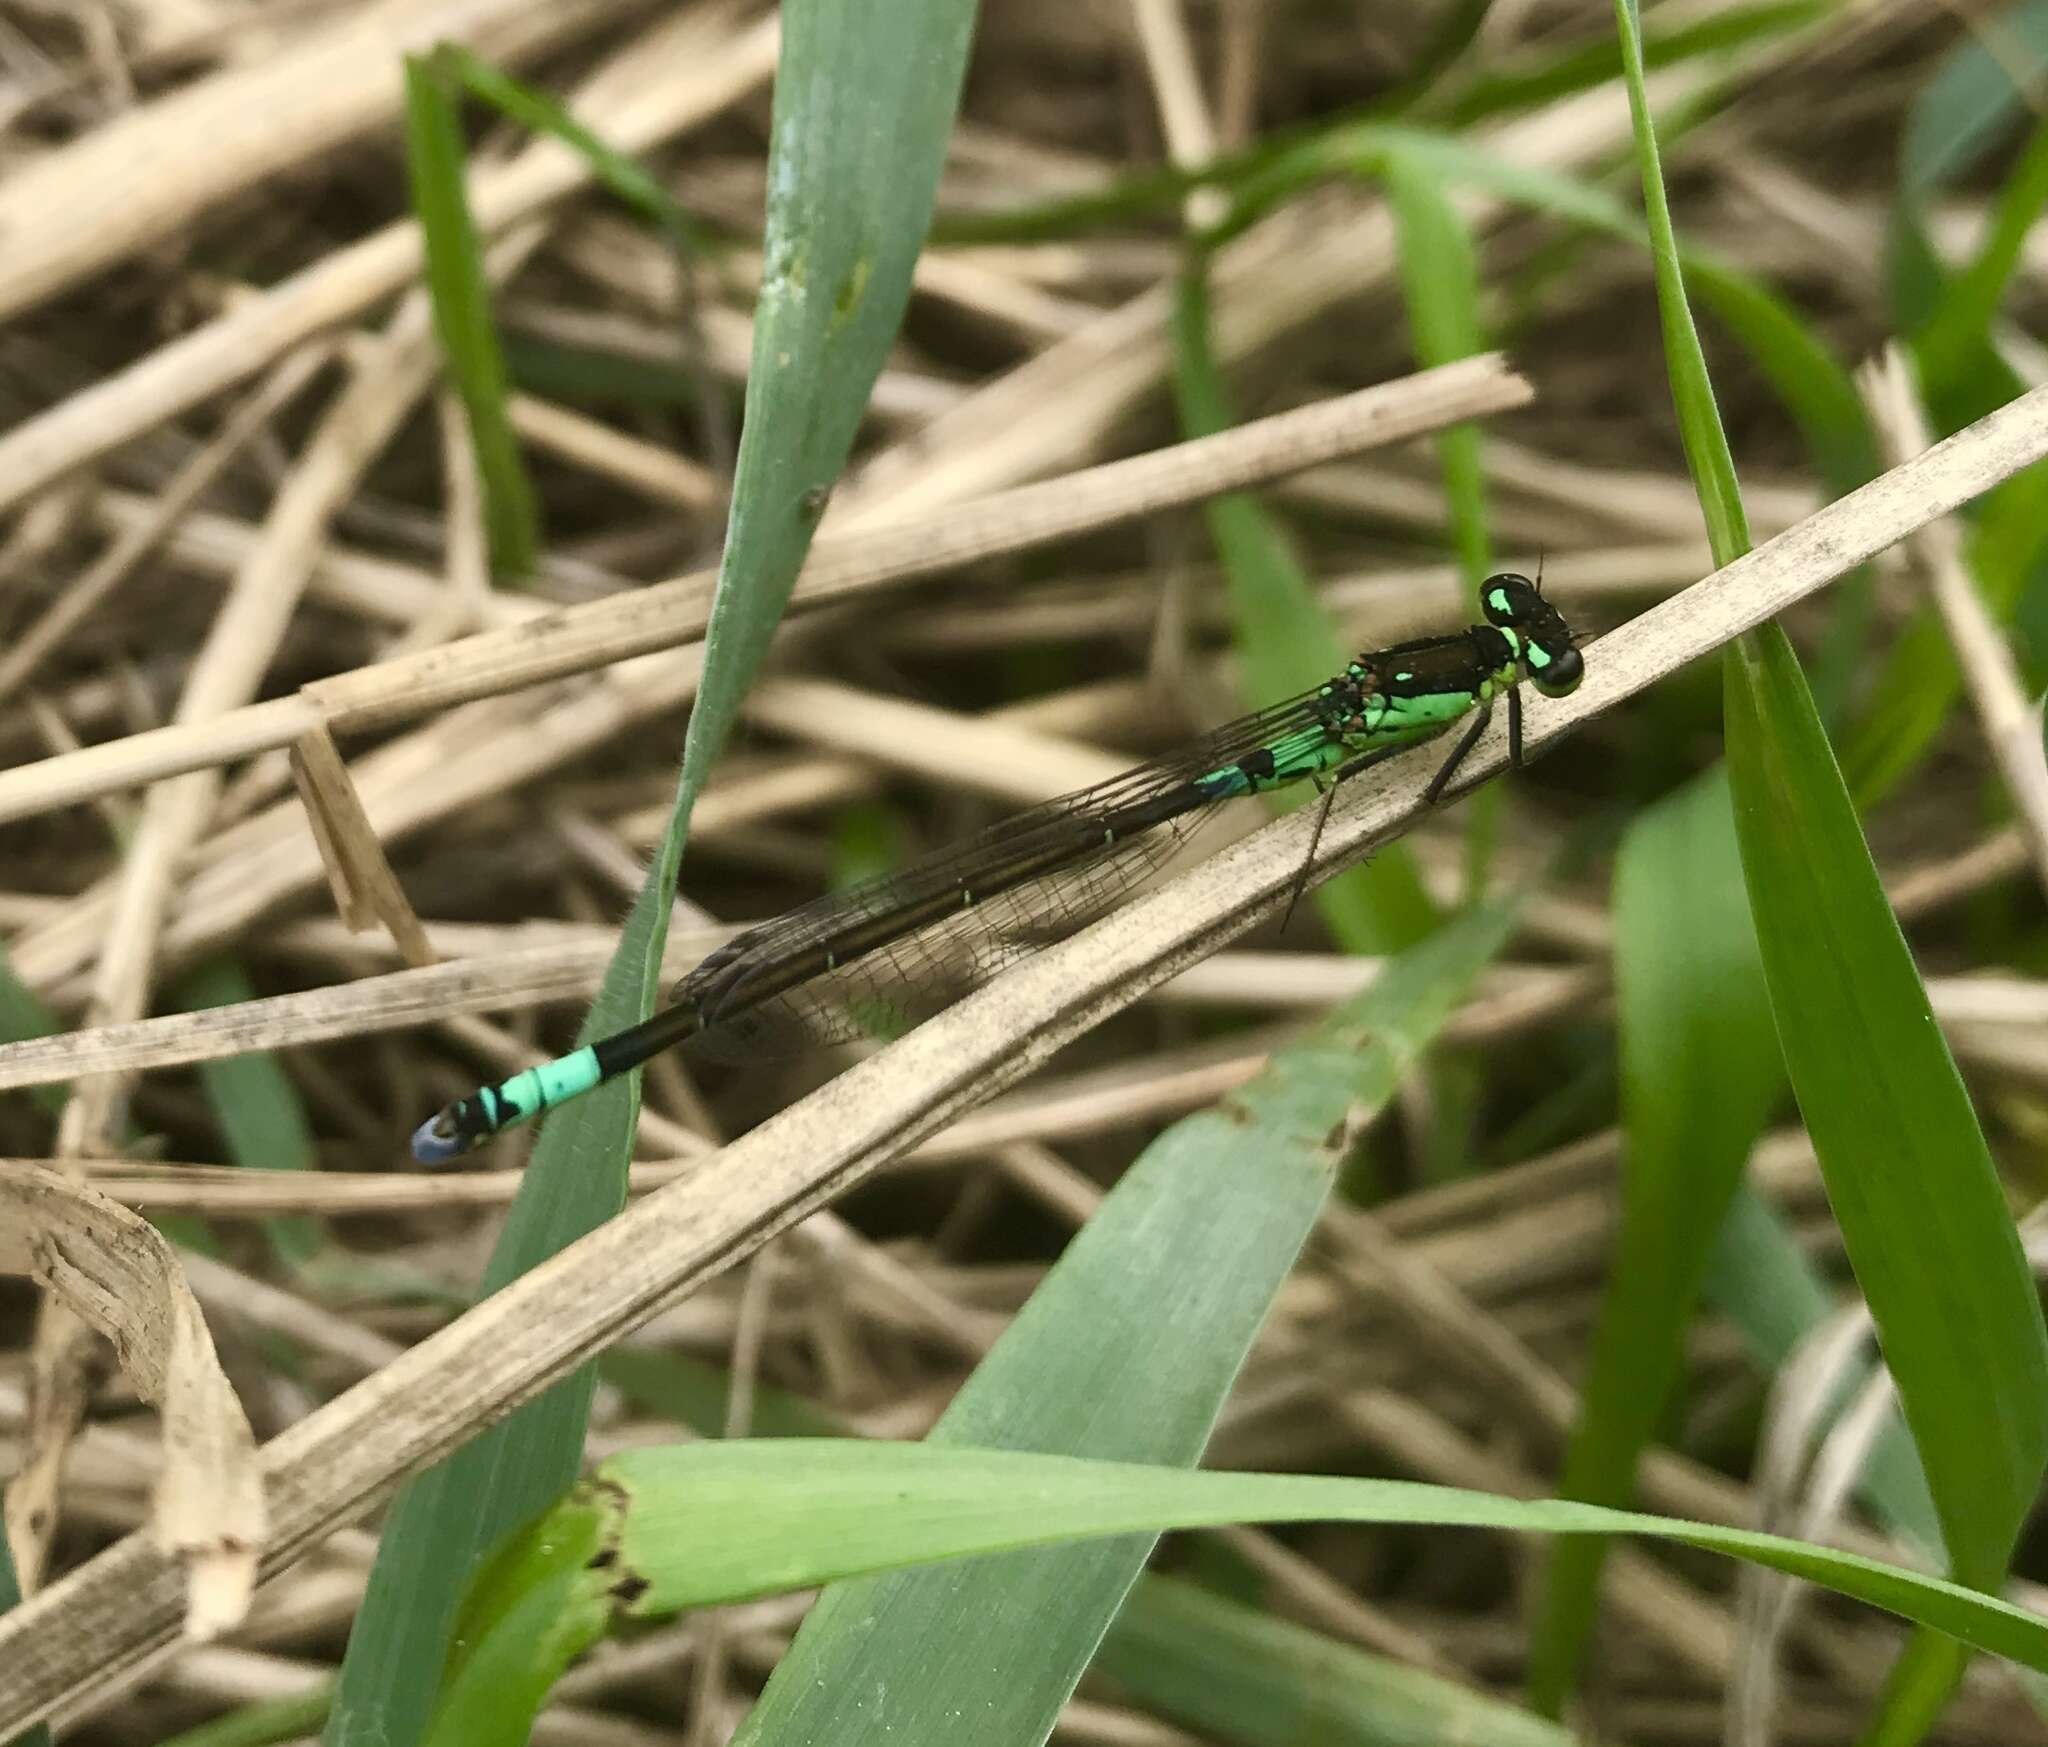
(1981, 92)
(449, 1517)
(1762, 1281)
(864, 106)
(1700, 1071)
(1913, 1187)
(1815, 390)
(259, 1109)
(1440, 290)
(1127, 1349)
(1440, 285)
(619, 173)
(1823, 402)
(1919, 682)
(1284, 639)
(1692, 392)
(863, 109)
(1284, 159)
(537, 1604)
(436, 163)
(1962, 322)
(1908, 1173)
(661, 1530)
(1237, 1675)
(1962, 376)
(724, 1521)
(261, 1724)
(1553, 76)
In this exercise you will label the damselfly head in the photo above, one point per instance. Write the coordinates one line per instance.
(1549, 651)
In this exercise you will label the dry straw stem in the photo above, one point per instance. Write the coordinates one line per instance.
(142, 535)
(331, 1467)
(153, 171)
(1312, 255)
(575, 639)
(495, 745)
(366, 891)
(692, 65)
(114, 1271)
(2010, 721)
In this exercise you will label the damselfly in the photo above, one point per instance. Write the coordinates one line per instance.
(894, 949)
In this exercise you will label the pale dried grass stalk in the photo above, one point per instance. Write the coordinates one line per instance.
(329, 1468)
(117, 1274)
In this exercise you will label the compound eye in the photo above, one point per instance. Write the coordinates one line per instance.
(1559, 676)
(1506, 598)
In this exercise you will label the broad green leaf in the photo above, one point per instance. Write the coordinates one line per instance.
(1237, 1675)
(701, 1524)
(1127, 1349)
(1911, 1181)
(1913, 1187)
(536, 1606)
(863, 109)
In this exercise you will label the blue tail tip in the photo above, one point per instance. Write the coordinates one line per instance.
(437, 1140)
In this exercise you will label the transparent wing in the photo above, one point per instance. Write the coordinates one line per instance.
(883, 993)
(907, 978)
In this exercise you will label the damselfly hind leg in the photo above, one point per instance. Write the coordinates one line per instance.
(1329, 785)
(1515, 724)
(1326, 786)
(1459, 753)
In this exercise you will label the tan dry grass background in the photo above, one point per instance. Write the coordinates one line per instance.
(237, 523)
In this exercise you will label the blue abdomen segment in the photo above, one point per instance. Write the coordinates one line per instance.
(494, 1109)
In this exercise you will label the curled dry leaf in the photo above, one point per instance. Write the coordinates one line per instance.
(116, 1272)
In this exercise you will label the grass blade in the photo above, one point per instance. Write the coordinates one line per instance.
(1440, 284)
(1979, 93)
(862, 113)
(1237, 1675)
(1700, 1071)
(1284, 639)
(699, 1524)
(1128, 1350)
(461, 296)
(1911, 1181)
(258, 1108)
